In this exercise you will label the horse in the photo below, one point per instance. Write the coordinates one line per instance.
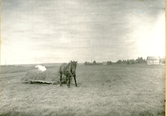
(69, 70)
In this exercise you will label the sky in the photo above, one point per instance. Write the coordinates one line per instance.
(55, 31)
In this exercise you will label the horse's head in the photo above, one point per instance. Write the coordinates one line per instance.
(73, 66)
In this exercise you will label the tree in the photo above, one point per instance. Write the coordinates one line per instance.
(94, 62)
(119, 61)
(109, 62)
(163, 60)
(85, 63)
(140, 60)
(124, 61)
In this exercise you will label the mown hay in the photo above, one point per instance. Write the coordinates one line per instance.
(36, 76)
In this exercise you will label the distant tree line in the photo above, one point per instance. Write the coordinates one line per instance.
(93, 63)
(139, 60)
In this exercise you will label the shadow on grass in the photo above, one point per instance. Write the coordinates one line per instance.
(148, 113)
(144, 113)
(36, 114)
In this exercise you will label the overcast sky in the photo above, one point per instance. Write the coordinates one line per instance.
(50, 31)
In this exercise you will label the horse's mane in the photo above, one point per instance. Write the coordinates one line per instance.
(68, 65)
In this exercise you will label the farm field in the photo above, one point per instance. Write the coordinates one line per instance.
(111, 90)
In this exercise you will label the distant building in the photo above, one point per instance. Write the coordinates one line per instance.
(151, 60)
(104, 63)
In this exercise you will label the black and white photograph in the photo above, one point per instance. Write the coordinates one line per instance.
(82, 58)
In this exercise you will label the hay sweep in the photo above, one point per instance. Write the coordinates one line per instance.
(49, 76)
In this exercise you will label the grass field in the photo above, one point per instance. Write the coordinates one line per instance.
(115, 90)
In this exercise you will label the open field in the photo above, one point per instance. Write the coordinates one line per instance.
(115, 90)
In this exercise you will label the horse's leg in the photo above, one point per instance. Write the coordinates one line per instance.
(75, 80)
(60, 79)
(68, 82)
